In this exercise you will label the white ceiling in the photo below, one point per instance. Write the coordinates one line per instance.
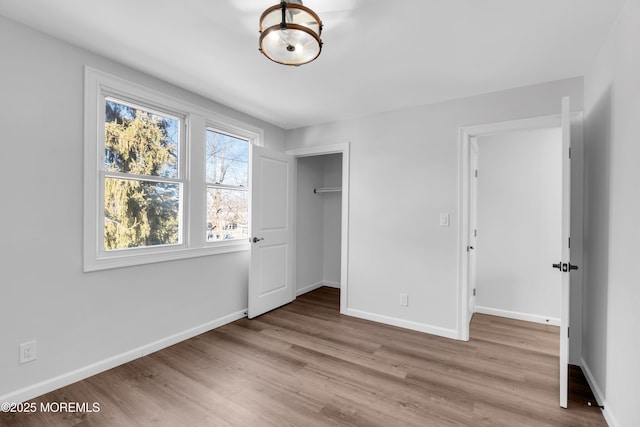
(378, 55)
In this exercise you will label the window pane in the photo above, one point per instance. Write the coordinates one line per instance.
(140, 142)
(227, 159)
(227, 214)
(140, 213)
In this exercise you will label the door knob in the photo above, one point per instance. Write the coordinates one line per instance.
(564, 266)
(257, 239)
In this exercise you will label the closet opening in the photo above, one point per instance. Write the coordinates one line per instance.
(318, 219)
(322, 219)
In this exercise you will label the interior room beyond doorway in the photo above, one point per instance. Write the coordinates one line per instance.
(519, 218)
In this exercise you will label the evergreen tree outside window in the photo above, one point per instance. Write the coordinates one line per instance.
(142, 186)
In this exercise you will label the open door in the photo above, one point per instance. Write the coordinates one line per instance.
(564, 265)
(473, 222)
(272, 241)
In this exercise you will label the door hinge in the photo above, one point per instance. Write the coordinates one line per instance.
(475, 233)
(568, 333)
(569, 243)
(569, 152)
(474, 292)
(476, 173)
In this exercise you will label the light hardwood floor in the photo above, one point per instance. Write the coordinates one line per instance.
(306, 365)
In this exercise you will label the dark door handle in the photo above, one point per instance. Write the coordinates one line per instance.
(563, 266)
(257, 239)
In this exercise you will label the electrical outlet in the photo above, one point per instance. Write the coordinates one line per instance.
(28, 351)
(404, 300)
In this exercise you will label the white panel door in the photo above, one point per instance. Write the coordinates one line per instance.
(272, 241)
(473, 222)
(565, 264)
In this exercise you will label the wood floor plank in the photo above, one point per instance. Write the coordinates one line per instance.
(304, 364)
(323, 329)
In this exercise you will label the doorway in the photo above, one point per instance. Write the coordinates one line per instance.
(468, 136)
(516, 224)
(572, 194)
(318, 215)
(322, 219)
(272, 272)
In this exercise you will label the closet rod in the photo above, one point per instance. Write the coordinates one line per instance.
(326, 189)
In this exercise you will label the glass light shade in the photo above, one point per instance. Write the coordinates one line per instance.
(290, 34)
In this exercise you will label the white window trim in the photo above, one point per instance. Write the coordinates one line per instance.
(196, 119)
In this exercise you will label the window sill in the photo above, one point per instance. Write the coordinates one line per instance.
(129, 260)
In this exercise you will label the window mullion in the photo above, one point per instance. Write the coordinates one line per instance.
(196, 206)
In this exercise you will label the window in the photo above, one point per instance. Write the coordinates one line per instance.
(227, 186)
(164, 179)
(143, 183)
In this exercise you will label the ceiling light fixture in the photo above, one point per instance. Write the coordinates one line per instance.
(290, 33)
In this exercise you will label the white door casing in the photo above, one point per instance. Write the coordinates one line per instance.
(271, 273)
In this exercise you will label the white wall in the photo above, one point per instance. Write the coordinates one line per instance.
(612, 210)
(80, 319)
(332, 220)
(519, 225)
(309, 224)
(318, 227)
(404, 173)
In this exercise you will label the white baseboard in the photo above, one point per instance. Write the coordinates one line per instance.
(55, 383)
(407, 324)
(317, 285)
(597, 393)
(309, 288)
(518, 316)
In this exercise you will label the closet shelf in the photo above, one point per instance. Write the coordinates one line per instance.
(326, 189)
